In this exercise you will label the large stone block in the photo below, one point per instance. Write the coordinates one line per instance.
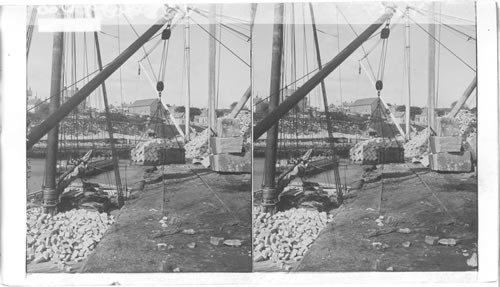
(448, 127)
(227, 127)
(445, 144)
(457, 162)
(238, 163)
(226, 145)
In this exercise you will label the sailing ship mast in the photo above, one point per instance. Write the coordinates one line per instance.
(212, 115)
(431, 118)
(269, 189)
(325, 104)
(50, 185)
(108, 123)
(187, 53)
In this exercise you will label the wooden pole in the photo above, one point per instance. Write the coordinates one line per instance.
(269, 189)
(431, 118)
(187, 52)
(55, 117)
(274, 116)
(50, 186)
(114, 157)
(456, 108)
(325, 104)
(408, 99)
(212, 115)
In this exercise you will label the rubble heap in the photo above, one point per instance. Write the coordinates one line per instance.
(417, 145)
(286, 235)
(67, 236)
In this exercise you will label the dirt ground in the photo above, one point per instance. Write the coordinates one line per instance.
(130, 244)
(349, 243)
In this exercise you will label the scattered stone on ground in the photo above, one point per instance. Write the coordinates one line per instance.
(472, 261)
(404, 230)
(64, 237)
(188, 231)
(406, 244)
(447, 241)
(286, 235)
(191, 245)
(431, 240)
(216, 240)
(232, 242)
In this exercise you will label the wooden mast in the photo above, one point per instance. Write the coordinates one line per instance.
(273, 117)
(212, 115)
(108, 122)
(269, 189)
(187, 52)
(325, 104)
(408, 99)
(50, 193)
(431, 118)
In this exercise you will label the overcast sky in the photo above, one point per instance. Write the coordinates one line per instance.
(454, 76)
(233, 80)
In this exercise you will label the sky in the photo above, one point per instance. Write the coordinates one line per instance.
(233, 78)
(345, 84)
(453, 76)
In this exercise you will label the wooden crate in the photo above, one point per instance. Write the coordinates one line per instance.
(226, 145)
(445, 144)
(390, 155)
(234, 163)
(227, 128)
(457, 162)
(447, 127)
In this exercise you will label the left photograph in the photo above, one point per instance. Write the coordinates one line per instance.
(139, 151)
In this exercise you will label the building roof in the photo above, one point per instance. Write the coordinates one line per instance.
(363, 102)
(143, 103)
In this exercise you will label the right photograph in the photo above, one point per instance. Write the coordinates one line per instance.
(364, 137)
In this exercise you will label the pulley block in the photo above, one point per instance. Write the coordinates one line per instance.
(384, 34)
(160, 86)
(165, 34)
(379, 85)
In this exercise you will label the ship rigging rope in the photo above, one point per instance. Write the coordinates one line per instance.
(451, 28)
(355, 33)
(234, 31)
(440, 43)
(223, 45)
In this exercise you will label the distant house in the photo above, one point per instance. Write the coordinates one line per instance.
(364, 106)
(145, 107)
(202, 119)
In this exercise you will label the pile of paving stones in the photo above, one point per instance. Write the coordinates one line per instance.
(286, 235)
(64, 237)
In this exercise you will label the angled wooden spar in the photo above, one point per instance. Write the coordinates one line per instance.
(456, 108)
(273, 117)
(236, 110)
(54, 118)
